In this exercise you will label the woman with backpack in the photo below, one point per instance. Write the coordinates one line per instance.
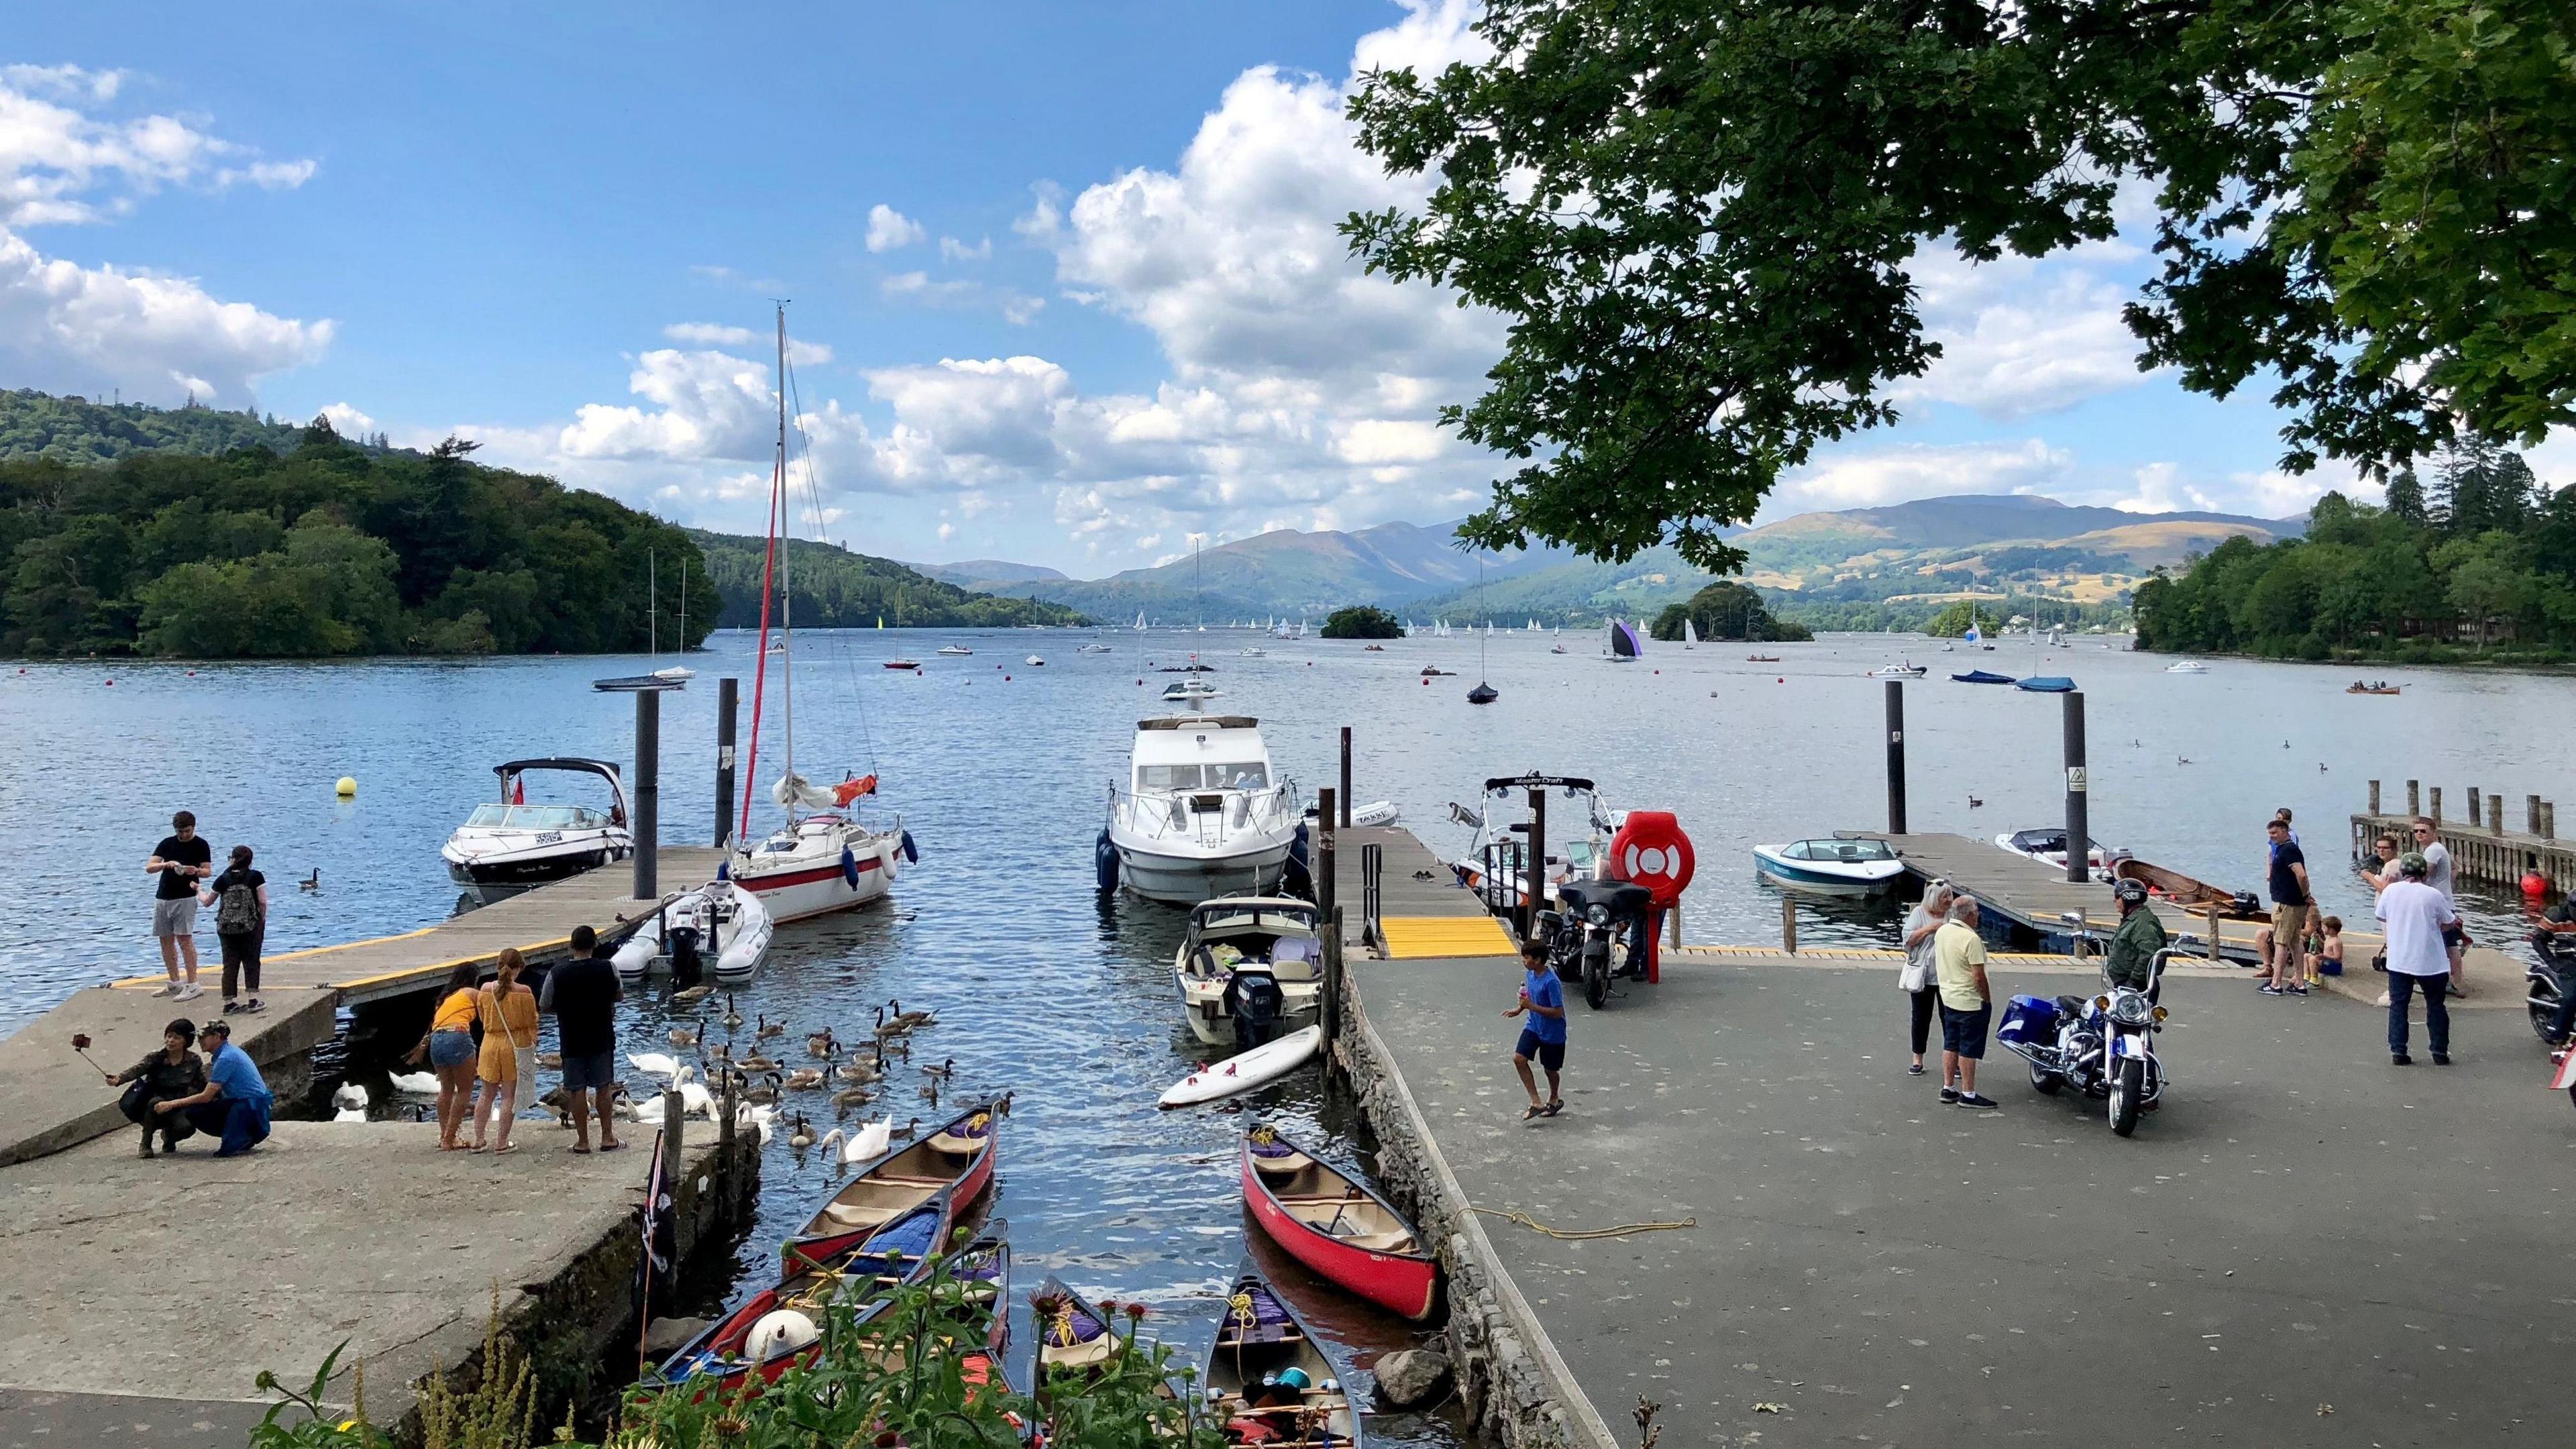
(240, 899)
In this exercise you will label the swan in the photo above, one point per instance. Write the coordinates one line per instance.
(416, 1084)
(351, 1099)
(696, 1098)
(658, 1064)
(831, 1143)
(871, 1140)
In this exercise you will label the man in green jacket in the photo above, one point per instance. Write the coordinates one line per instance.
(2132, 955)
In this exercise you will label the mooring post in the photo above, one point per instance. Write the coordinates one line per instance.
(1346, 777)
(2079, 827)
(1673, 924)
(2495, 814)
(2374, 797)
(2473, 807)
(2436, 812)
(2549, 820)
(2213, 933)
(726, 1111)
(1789, 923)
(1896, 757)
(728, 697)
(647, 828)
(2414, 800)
(1332, 990)
(1325, 891)
(675, 1115)
(2531, 815)
(1537, 864)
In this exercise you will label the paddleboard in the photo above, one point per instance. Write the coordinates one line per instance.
(1265, 1063)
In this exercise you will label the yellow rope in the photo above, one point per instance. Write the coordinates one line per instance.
(1586, 1235)
(1062, 1327)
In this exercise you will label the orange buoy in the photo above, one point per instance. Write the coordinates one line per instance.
(2534, 884)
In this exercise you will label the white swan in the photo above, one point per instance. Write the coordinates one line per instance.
(351, 1099)
(416, 1084)
(872, 1141)
(656, 1063)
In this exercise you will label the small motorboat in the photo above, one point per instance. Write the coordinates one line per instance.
(2046, 684)
(958, 649)
(1906, 670)
(1830, 867)
(720, 919)
(782, 1326)
(2378, 687)
(1268, 1368)
(1375, 814)
(1034, 661)
(2048, 846)
(1183, 691)
(1761, 658)
(1983, 676)
(1093, 649)
(903, 664)
(2187, 666)
(1332, 1224)
(1556, 649)
(1248, 966)
(1483, 694)
(509, 846)
(1372, 649)
(1258, 1067)
(1434, 671)
(951, 1166)
(1253, 651)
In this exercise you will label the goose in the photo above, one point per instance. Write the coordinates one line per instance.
(311, 882)
(756, 1063)
(768, 1028)
(912, 1020)
(551, 1061)
(849, 1097)
(820, 1043)
(858, 1071)
(733, 1013)
(684, 1036)
(692, 996)
(351, 1099)
(871, 1140)
(767, 1092)
(901, 1046)
(722, 1051)
(905, 1131)
(801, 1135)
(941, 1072)
(1976, 804)
(805, 1079)
(930, 1093)
(885, 1028)
(415, 1084)
(656, 1064)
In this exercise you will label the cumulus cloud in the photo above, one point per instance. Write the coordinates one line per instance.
(889, 229)
(155, 337)
(1017, 308)
(2020, 337)
(348, 422)
(62, 161)
(951, 249)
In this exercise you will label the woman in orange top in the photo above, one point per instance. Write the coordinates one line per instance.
(449, 1046)
(509, 1014)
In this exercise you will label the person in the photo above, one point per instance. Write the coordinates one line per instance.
(508, 1011)
(1967, 1003)
(449, 1047)
(1922, 992)
(235, 1101)
(2327, 960)
(180, 861)
(2558, 920)
(167, 1075)
(2283, 815)
(1543, 1040)
(2130, 959)
(583, 993)
(2290, 899)
(2437, 874)
(2412, 916)
(2386, 847)
(240, 899)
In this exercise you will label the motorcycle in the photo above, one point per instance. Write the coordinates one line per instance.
(1603, 922)
(2545, 984)
(2103, 1046)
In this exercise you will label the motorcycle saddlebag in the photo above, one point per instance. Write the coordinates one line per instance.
(2029, 1021)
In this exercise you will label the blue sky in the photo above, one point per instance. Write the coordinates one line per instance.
(1064, 280)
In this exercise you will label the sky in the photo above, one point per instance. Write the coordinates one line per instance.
(1063, 281)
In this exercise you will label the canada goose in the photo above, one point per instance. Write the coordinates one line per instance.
(855, 1070)
(849, 1097)
(692, 996)
(722, 1051)
(930, 1093)
(905, 1131)
(885, 1028)
(943, 1071)
(801, 1135)
(654, 1063)
(757, 1063)
(805, 1079)
(820, 1043)
(311, 882)
(1976, 804)
(768, 1028)
(765, 1093)
(686, 1036)
(901, 1046)
(911, 1020)
(733, 1013)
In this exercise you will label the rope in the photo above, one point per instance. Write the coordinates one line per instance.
(1586, 1235)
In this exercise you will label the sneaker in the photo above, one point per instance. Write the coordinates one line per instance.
(1949, 1094)
(1915, 1070)
(190, 993)
(1971, 1099)
(228, 1008)
(2268, 989)
(254, 1007)
(2441, 1059)
(2294, 990)
(170, 990)
(2400, 1059)
(146, 1149)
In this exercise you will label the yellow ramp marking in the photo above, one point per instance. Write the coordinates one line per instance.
(1418, 937)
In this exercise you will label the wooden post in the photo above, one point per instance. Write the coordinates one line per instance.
(726, 1111)
(1332, 988)
(2531, 815)
(2473, 807)
(2213, 933)
(2495, 813)
(1789, 923)
(2374, 797)
(2549, 820)
(2414, 801)
(1673, 925)
(1346, 777)
(1325, 887)
(675, 1117)
(2436, 811)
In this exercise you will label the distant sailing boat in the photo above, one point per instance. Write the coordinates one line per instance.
(653, 632)
(1484, 692)
(824, 858)
(1690, 634)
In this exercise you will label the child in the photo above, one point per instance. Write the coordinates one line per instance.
(2327, 959)
(1543, 997)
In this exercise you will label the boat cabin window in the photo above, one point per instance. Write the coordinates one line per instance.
(533, 817)
(1252, 775)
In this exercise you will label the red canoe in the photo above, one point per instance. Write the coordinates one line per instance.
(956, 1160)
(1330, 1223)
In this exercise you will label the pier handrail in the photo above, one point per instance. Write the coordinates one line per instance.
(1372, 896)
(1263, 807)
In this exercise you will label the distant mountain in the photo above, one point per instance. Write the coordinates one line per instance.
(989, 574)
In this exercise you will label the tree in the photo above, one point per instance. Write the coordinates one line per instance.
(1363, 621)
(1726, 610)
(1702, 221)
(2406, 497)
(1952, 622)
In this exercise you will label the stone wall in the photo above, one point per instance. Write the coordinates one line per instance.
(1514, 1387)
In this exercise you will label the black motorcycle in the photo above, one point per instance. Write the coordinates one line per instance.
(2548, 979)
(1602, 921)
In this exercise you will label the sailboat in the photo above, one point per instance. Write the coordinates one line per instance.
(1140, 621)
(653, 632)
(1690, 634)
(824, 858)
(1625, 646)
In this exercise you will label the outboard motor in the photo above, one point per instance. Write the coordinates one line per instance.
(1256, 1003)
(686, 965)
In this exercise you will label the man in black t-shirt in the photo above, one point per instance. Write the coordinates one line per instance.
(2290, 900)
(180, 861)
(583, 993)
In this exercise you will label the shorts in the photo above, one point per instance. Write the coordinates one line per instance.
(1548, 1054)
(2452, 935)
(591, 1072)
(1963, 1033)
(175, 918)
(450, 1049)
(2290, 923)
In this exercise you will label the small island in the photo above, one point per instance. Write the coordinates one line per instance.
(1363, 621)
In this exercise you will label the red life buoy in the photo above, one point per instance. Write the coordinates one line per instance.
(1650, 850)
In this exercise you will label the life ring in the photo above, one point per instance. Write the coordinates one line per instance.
(1650, 850)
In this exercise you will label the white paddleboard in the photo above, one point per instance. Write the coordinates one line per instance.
(1265, 1063)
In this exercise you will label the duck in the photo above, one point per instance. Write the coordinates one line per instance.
(686, 1036)
(805, 1079)
(901, 1046)
(1976, 804)
(657, 1064)
(767, 1028)
(941, 1072)
(311, 882)
(733, 1013)
(800, 1135)
(912, 1020)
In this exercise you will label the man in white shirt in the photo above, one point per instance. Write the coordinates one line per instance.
(2437, 874)
(2414, 916)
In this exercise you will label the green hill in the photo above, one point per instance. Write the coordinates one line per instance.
(836, 589)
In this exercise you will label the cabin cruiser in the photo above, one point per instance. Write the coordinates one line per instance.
(1907, 670)
(1202, 814)
(1830, 867)
(2048, 846)
(1248, 967)
(719, 929)
(1184, 691)
(509, 845)
(955, 649)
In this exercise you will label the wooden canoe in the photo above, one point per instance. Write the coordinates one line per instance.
(1331, 1223)
(1258, 1335)
(955, 1161)
(897, 1253)
(2192, 895)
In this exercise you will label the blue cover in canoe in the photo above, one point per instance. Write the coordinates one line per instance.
(1979, 676)
(2048, 684)
(910, 1236)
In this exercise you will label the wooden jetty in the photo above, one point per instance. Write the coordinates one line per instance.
(1418, 909)
(2483, 852)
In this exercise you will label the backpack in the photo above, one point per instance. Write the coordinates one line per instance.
(237, 910)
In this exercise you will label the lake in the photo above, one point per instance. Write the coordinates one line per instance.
(1001, 769)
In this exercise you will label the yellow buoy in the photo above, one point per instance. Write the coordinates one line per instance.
(348, 786)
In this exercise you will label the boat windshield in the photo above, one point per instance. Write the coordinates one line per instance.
(532, 817)
(1252, 775)
(1848, 852)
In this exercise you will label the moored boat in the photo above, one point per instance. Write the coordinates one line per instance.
(1983, 676)
(2046, 684)
(1266, 1371)
(2047, 845)
(1256, 1068)
(2192, 895)
(1906, 670)
(952, 1166)
(781, 1326)
(1072, 1332)
(1831, 867)
(1248, 966)
(1332, 1224)
(719, 926)
(1202, 815)
(509, 845)
(2187, 666)
(955, 649)
(903, 664)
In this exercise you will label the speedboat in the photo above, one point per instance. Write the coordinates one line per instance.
(719, 919)
(1254, 651)
(955, 649)
(509, 845)
(2048, 846)
(1830, 867)
(2188, 666)
(1496, 863)
(1093, 649)
(1249, 967)
(1183, 691)
(1202, 815)
(1907, 670)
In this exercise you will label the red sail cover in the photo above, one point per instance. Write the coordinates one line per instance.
(849, 790)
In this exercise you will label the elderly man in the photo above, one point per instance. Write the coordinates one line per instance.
(1916, 979)
(1967, 1003)
(2414, 917)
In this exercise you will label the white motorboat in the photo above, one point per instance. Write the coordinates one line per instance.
(2188, 666)
(824, 857)
(1202, 816)
(1906, 670)
(1035, 660)
(1496, 863)
(1093, 649)
(509, 845)
(955, 649)
(1185, 691)
(1254, 651)
(719, 919)
(1830, 867)
(2048, 846)
(1236, 950)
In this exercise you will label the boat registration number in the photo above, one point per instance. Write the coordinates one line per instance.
(549, 837)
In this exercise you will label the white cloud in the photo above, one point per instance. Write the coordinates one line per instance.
(1017, 308)
(710, 334)
(889, 229)
(348, 422)
(2161, 490)
(87, 329)
(1873, 477)
(2019, 336)
(61, 162)
(951, 249)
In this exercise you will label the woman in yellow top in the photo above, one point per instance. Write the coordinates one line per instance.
(449, 1046)
(509, 1014)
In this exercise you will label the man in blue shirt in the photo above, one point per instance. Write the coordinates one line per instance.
(1543, 998)
(235, 1102)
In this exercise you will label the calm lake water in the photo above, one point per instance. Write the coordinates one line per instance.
(1000, 770)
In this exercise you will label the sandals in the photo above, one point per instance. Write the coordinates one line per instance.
(1535, 1111)
(1555, 1106)
(580, 1147)
(505, 1151)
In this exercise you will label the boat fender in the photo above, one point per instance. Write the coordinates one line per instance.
(724, 869)
(911, 856)
(850, 866)
(1104, 863)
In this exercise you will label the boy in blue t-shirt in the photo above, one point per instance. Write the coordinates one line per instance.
(1543, 997)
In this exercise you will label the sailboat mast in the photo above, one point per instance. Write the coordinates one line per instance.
(652, 609)
(786, 585)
